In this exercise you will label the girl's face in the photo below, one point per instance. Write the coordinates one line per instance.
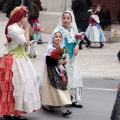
(66, 20)
(57, 38)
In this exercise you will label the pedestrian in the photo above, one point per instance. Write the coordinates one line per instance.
(34, 8)
(104, 15)
(55, 82)
(115, 115)
(94, 31)
(2, 3)
(69, 29)
(116, 108)
(19, 92)
(89, 3)
(10, 5)
(82, 16)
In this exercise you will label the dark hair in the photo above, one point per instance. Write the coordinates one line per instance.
(66, 13)
(104, 8)
(58, 32)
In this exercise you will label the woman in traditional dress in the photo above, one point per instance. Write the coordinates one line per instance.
(19, 92)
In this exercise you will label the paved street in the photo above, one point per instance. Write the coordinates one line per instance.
(100, 70)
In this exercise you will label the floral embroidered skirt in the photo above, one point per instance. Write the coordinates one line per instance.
(9, 94)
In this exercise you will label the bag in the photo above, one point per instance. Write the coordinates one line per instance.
(118, 55)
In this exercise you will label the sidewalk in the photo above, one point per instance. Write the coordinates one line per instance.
(94, 62)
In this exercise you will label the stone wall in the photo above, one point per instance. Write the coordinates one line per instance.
(53, 10)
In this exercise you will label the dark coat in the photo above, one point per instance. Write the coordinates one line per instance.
(26, 3)
(89, 3)
(118, 16)
(10, 5)
(105, 18)
(34, 8)
(80, 9)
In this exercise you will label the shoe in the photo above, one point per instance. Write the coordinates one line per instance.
(101, 45)
(66, 113)
(76, 105)
(7, 117)
(19, 118)
(39, 42)
(48, 110)
(88, 45)
(80, 47)
(34, 56)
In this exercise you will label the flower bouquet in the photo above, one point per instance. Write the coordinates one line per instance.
(58, 54)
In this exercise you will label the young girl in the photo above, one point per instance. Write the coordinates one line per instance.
(94, 31)
(54, 88)
(19, 92)
(69, 29)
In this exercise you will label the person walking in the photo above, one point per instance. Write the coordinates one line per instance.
(19, 91)
(10, 5)
(94, 31)
(69, 29)
(55, 90)
(82, 16)
(104, 15)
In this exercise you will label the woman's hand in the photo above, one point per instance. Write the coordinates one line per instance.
(76, 50)
(30, 42)
(25, 23)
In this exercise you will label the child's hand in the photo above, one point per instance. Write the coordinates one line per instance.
(65, 61)
(76, 50)
(60, 62)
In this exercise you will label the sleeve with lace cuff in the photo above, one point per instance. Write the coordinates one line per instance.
(51, 61)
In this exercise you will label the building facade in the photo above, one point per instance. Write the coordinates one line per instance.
(54, 8)
(113, 6)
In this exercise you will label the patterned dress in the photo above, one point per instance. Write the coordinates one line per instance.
(54, 92)
(19, 92)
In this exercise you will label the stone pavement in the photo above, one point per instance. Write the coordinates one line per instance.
(94, 62)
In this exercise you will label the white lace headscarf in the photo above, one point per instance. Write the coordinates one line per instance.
(73, 28)
(48, 52)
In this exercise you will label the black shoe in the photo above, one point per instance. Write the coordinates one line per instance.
(66, 113)
(80, 47)
(76, 105)
(39, 42)
(19, 118)
(88, 45)
(101, 45)
(7, 117)
(48, 110)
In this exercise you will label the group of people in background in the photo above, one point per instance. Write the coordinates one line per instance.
(89, 23)
(60, 82)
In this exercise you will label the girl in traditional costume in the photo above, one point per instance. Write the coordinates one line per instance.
(69, 29)
(94, 31)
(54, 79)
